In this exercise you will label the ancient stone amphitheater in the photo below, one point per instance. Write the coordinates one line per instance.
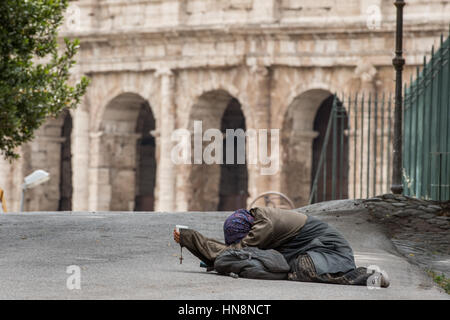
(159, 65)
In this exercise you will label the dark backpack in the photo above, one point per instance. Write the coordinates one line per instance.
(252, 263)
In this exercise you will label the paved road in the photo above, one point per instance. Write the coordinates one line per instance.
(133, 256)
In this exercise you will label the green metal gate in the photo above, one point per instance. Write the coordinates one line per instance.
(426, 128)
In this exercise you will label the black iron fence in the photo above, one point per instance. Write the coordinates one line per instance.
(355, 160)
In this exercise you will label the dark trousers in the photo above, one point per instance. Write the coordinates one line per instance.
(302, 269)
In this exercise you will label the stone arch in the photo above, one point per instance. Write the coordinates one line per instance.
(213, 81)
(99, 113)
(145, 161)
(116, 155)
(233, 185)
(205, 183)
(297, 137)
(282, 105)
(107, 85)
(50, 151)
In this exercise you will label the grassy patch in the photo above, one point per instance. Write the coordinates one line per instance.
(441, 280)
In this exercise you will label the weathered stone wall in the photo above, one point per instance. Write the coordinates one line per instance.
(278, 58)
(45, 151)
(419, 228)
(410, 214)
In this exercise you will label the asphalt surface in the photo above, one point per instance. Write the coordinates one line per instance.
(133, 256)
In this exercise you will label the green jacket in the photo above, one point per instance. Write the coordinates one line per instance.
(272, 227)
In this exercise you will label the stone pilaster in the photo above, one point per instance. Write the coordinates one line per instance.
(99, 185)
(165, 176)
(259, 99)
(80, 160)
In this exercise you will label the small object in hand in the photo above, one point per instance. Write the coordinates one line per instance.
(181, 255)
(177, 229)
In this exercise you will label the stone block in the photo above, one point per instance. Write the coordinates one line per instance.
(427, 209)
(437, 221)
(399, 204)
(427, 216)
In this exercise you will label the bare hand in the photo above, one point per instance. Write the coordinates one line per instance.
(176, 236)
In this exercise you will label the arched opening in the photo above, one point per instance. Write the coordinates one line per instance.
(145, 161)
(65, 183)
(50, 151)
(233, 188)
(337, 154)
(126, 165)
(217, 186)
(297, 137)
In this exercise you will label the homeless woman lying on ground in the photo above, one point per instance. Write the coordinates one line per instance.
(272, 243)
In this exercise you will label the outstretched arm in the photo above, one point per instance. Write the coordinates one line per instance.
(206, 249)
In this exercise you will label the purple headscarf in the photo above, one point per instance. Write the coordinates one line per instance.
(237, 226)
